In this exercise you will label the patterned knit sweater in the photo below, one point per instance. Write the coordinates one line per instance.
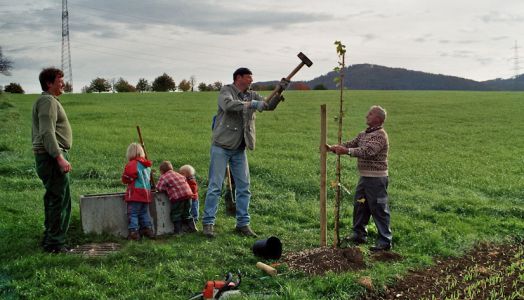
(371, 147)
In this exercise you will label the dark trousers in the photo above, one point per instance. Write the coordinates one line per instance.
(181, 210)
(371, 199)
(57, 200)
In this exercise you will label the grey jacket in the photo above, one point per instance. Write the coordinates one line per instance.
(234, 120)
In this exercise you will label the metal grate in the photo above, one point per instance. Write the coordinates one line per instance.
(96, 249)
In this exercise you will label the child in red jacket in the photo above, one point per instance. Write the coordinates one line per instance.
(189, 172)
(138, 194)
(179, 193)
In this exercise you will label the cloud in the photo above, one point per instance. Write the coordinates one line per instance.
(206, 16)
(498, 17)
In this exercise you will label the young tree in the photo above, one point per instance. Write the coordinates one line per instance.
(184, 85)
(100, 85)
(164, 83)
(122, 86)
(143, 85)
(5, 64)
(14, 88)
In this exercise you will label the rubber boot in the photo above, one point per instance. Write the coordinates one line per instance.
(177, 228)
(147, 232)
(189, 225)
(133, 235)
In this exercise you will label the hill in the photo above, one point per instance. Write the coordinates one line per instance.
(375, 77)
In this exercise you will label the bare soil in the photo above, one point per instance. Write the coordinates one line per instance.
(486, 272)
(317, 261)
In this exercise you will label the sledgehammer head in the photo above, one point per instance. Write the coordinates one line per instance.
(305, 60)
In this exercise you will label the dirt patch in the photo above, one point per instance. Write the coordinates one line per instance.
(321, 260)
(487, 272)
(386, 256)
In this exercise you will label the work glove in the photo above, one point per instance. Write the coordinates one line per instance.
(283, 85)
(272, 104)
(258, 105)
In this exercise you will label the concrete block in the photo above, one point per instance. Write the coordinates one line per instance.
(107, 213)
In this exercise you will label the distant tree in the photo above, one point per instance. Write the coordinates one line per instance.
(184, 85)
(100, 85)
(269, 87)
(256, 87)
(122, 86)
(143, 85)
(5, 64)
(202, 87)
(217, 85)
(192, 80)
(86, 89)
(320, 87)
(210, 87)
(14, 88)
(164, 83)
(300, 86)
(68, 88)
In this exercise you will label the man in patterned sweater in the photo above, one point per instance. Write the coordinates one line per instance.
(371, 196)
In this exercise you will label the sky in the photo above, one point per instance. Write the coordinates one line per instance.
(209, 39)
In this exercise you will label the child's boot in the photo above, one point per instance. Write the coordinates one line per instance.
(189, 226)
(178, 227)
(147, 232)
(133, 235)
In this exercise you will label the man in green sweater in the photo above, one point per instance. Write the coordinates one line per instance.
(52, 139)
(370, 147)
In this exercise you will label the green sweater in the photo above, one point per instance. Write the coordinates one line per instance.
(51, 131)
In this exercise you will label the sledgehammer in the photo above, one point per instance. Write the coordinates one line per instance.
(305, 61)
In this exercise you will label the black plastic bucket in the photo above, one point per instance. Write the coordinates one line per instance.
(269, 249)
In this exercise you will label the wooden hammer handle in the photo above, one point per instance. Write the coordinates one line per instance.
(268, 269)
(277, 88)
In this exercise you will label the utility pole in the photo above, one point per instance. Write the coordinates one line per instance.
(66, 50)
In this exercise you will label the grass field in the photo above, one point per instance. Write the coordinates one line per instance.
(456, 178)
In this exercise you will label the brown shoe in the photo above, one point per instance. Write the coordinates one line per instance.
(133, 235)
(246, 231)
(147, 232)
(208, 230)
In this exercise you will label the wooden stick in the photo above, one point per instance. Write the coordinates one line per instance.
(268, 269)
(151, 179)
(323, 175)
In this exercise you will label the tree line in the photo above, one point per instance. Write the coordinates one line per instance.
(163, 83)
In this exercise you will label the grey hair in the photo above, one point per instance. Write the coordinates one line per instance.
(381, 112)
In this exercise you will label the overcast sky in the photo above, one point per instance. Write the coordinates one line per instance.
(210, 39)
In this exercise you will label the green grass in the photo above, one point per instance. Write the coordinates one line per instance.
(456, 166)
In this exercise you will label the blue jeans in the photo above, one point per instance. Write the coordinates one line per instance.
(138, 214)
(239, 168)
(194, 209)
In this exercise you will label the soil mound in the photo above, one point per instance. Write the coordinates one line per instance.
(318, 261)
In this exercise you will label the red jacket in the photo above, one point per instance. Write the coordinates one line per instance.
(194, 187)
(137, 175)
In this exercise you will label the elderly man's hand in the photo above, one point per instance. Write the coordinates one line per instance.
(64, 165)
(339, 149)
